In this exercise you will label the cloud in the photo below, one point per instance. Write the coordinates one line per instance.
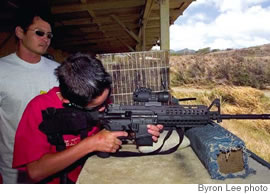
(238, 24)
(228, 5)
(187, 36)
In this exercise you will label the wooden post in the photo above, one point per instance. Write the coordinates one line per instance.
(143, 38)
(164, 25)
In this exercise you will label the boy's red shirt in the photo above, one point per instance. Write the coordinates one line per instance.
(31, 144)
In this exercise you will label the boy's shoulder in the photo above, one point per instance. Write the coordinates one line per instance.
(46, 99)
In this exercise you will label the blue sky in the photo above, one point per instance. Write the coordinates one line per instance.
(222, 24)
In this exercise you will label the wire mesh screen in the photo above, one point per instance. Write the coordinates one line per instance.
(132, 70)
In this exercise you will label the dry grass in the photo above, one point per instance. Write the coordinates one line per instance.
(255, 139)
(243, 67)
(240, 100)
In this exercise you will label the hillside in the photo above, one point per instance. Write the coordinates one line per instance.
(230, 75)
(241, 67)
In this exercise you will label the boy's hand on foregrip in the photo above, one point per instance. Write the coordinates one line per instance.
(155, 131)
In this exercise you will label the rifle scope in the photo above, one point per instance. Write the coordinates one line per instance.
(146, 95)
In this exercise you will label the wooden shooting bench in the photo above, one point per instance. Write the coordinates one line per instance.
(180, 167)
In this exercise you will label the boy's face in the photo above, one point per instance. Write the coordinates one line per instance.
(99, 102)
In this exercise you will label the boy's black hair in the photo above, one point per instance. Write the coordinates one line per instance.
(82, 78)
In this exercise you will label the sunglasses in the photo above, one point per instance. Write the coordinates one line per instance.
(104, 104)
(41, 33)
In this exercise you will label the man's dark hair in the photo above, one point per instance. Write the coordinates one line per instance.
(82, 78)
(30, 9)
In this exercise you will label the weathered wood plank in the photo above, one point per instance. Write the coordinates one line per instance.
(132, 34)
(97, 5)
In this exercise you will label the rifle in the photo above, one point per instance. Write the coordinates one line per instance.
(149, 108)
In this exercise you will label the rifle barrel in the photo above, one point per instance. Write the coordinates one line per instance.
(245, 116)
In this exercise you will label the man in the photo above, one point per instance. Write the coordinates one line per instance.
(24, 74)
(84, 83)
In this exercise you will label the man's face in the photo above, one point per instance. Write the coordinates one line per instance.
(99, 102)
(34, 43)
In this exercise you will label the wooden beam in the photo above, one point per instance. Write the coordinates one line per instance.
(83, 41)
(120, 12)
(93, 15)
(164, 25)
(107, 28)
(132, 34)
(146, 14)
(143, 37)
(91, 12)
(98, 35)
(77, 21)
(147, 10)
(101, 20)
(96, 5)
(102, 46)
(125, 44)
